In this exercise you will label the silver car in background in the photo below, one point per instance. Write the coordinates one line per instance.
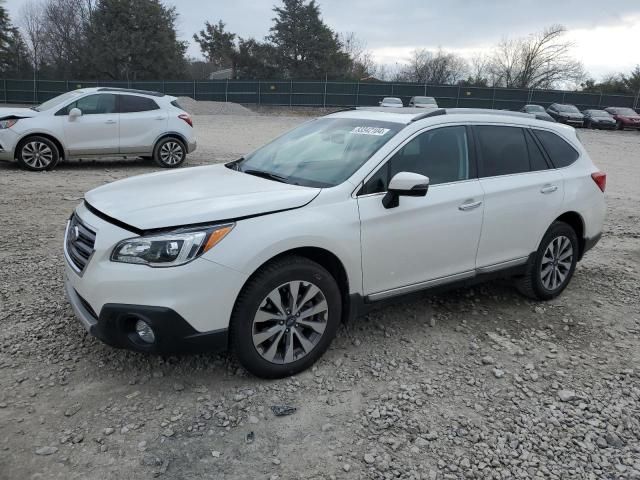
(391, 102)
(423, 102)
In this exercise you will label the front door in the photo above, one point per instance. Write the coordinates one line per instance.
(425, 240)
(95, 132)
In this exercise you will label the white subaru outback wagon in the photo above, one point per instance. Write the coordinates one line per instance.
(97, 122)
(267, 254)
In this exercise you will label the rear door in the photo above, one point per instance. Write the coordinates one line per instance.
(523, 195)
(95, 132)
(142, 121)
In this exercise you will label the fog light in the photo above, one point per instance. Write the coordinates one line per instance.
(145, 332)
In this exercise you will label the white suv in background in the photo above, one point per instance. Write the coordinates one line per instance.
(97, 122)
(268, 253)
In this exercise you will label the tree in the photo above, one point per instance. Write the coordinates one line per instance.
(256, 60)
(436, 68)
(541, 60)
(361, 60)
(306, 46)
(216, 44)
(134, 40)
(14, 56)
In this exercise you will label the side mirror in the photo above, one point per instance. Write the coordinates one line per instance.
(405, 184)
(74, 113)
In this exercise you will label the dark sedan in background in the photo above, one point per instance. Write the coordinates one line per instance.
(625, 117)
(565, 113)
(538, 111)
(598, 119)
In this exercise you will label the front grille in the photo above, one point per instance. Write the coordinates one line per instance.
(79, 243)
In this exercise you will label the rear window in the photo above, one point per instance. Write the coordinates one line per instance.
(503, 150)
(132, 103)
(177, 105)
(559, 151)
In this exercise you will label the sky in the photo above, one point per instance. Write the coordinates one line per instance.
(606, 33)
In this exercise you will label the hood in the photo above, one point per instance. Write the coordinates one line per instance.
(194, 195)
(9, 112)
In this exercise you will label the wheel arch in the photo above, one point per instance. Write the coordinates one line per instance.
(327, 260)
(54, 139)
(171, 134)
(575, 221)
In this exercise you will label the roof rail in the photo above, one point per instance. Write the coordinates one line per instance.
(430, 113)
(131, 90)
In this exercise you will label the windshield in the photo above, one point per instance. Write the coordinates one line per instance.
(598, 113)
(625, 111)
(392, 100)
(534, 108)
(320, 153)
(424, 100)
(49, 104)
(568, 108)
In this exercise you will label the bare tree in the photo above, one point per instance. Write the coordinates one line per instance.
(542, 60)
(437, 68)
(33, 26)
(362, 63)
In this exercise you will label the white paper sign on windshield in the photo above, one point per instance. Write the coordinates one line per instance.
(377, 131)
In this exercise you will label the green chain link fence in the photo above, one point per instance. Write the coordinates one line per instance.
(323, 93)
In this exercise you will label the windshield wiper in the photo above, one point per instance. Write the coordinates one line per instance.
(268, 175)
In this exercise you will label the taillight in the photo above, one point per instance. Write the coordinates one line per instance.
(186, 118)
(601, 180)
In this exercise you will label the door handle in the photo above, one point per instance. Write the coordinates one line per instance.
(161, 118)
(549, 189)
(469, 205)
(110, 122)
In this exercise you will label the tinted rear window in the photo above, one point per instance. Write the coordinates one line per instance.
(132, 103)
(177, 105)
(559, 151)
(503, 150)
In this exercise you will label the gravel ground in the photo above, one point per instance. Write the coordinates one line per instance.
(474, 383)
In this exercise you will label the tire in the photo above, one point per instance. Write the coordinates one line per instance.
(272, 345)
(37, 154)
(170, 152)
(538, 284)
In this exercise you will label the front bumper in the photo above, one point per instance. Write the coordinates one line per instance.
(189, 305)
(115, 326)
(604, 126)
(631, 125)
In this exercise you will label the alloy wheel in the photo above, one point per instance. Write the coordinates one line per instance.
(37, 155)
(290, 322)
(171, 153)
(556, 263)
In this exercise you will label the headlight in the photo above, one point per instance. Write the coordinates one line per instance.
(8, 123)
(169, 249)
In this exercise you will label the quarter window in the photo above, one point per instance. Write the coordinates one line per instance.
(441, 154)
(132, 103)
(560, 152)
(502, 150)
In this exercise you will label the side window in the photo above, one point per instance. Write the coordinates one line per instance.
(560, 152)
(502, 150)
(536, 159)
(441, 154)
(92, 105)
(132, 103)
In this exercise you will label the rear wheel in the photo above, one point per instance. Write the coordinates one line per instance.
(37, 154)
(170, 152)
(285, 317)
(553, 265)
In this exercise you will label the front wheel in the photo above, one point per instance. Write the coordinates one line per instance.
(285, 317)
(170, 153)
(553, 265)
(37, 154)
